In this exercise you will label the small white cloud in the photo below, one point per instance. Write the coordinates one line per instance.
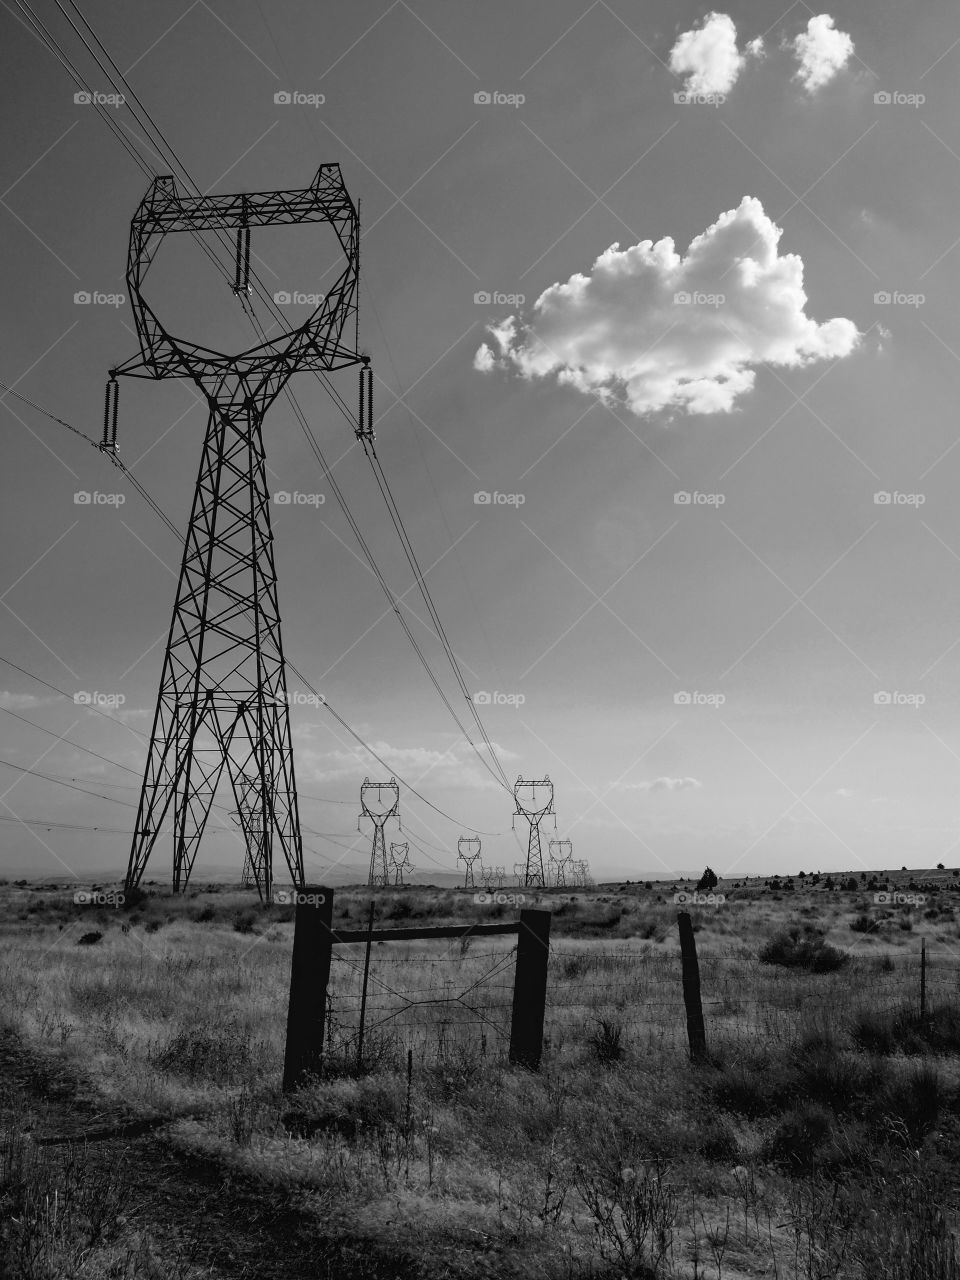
(822, 52)
(844, 793)
(666, 784)
(456, 767)
(708, 56)
(483, 361)
(659, 330)
(755, 48)
(23, 701)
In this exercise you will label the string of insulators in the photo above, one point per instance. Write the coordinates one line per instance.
(365, 414)
(241, 282)
(110, 402)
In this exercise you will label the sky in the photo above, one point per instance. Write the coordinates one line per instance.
(674, 287)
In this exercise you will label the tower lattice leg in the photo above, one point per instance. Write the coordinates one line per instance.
(534, 874)
(223, 695)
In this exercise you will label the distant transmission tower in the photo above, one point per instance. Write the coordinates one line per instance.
(249, 819)
(581, 874)
(400, 861)
(379, 816)
(468, 851)
(487, 877)
(520, 871)
(560, 853)
(500, 873)
(223, 692)
(534, 810)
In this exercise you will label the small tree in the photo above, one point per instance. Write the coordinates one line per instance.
(709, 880)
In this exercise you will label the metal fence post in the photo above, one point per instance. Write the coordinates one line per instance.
(309, 975)
(530, 989)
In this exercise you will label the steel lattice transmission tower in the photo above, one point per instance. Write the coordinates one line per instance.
(468, 854)
(534, 811)
(379, 816)
(223, 692)
(400, 861)
(560, 853)
(249, 818)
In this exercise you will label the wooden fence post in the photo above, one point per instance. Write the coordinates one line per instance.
(363, 995)
(309, 975)
(691, 988)
(530, 989)
(923, 978)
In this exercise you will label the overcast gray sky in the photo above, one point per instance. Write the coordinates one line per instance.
(763, 677)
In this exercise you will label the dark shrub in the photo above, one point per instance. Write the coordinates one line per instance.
(863, 924)
(803, 948)
(916, 1099)
(244, 920)
(217, 1053)
(800, 1137)
(134, 897)
(606, 1041)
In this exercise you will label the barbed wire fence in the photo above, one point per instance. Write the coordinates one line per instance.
(466, 1011)
(448, 995)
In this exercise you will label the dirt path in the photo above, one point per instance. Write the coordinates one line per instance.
(227, 1226)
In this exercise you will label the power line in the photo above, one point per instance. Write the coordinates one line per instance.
(392, 508)
(323, 701)
(153, 131)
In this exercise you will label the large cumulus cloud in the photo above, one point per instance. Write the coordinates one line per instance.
(624, 332)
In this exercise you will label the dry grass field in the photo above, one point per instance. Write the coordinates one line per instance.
(820, 1140)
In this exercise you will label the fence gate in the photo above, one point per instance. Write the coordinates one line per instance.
(313, 954)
